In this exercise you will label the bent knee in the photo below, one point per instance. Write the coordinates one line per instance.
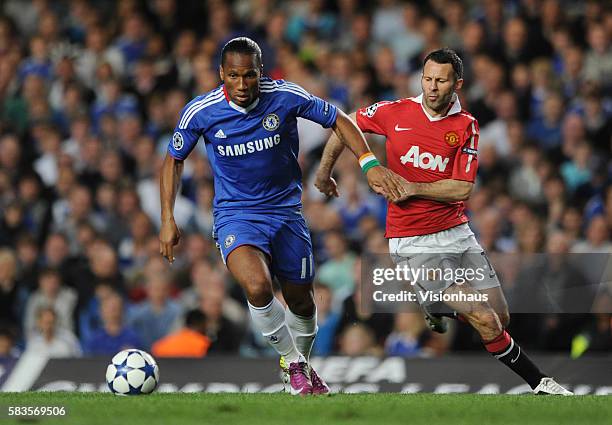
(258, 291)
(302, 306)
(504, 318)
(487, 322)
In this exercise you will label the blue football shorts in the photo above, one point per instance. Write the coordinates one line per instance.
(283, 237)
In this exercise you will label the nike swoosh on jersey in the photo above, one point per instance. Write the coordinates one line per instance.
(398, 128)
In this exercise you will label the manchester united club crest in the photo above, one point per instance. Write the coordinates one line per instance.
(271, 122)
(451, 138)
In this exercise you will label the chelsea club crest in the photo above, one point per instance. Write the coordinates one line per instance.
(271, 122)
(229, 240)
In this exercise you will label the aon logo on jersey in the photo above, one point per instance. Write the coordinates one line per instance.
(424, 160)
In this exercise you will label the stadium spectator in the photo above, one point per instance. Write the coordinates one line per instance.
(12, 224)
(577, 172)
(408, 335)
(144, 157)
(546, 129)
(488, 85)
(336, 272)
(496, 133)
(114, 335)
(572, 78)
(314, 20)
(12, 158)
(38, 63)
(597, 238)
(198, 250)
(597, 123)
(487, 225)
(354, 203)
(225, 336)
(525, 181)
(35, 205)
(550, 285)
(571, 223)
(28, 258)
(352, 312)
(95, 52)
(56, 251)
(598, 61)
(516, 46)
(190, 341)
(79, 208)
(8, 288)
(8, 349)
(148, 191)
(49, 339)
(153, 318)
(86, 269)
(51, 293)
(133, 248)
(327, 321)
(132, 41)
(408, 42)
(358, 340)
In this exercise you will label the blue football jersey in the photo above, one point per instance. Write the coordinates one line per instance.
(253, 151)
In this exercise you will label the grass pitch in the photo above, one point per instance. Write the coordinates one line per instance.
(269, 409)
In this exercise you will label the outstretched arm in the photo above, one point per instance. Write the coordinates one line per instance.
(332, 151)
(447, 190)
(346, 133)
(169, 181)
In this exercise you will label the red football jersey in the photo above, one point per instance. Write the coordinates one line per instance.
(424, 149)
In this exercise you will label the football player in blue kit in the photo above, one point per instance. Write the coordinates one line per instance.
(249, 125)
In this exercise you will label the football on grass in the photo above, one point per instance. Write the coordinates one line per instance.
(132, 372)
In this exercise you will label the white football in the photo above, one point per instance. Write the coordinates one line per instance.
(132, 372)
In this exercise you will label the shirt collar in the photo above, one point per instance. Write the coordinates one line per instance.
(454, 109)
(244, 110)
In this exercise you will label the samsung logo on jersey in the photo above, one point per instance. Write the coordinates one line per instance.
(249, 147)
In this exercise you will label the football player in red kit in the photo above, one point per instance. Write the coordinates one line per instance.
(433, 144)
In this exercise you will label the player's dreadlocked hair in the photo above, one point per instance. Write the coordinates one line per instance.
(447, 55)
(243, 45)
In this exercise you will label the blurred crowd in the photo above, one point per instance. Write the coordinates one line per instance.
(90, 93)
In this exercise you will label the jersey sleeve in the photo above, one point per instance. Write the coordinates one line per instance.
(466, 158)
(308, 106)
(371, 119)
(186, 133)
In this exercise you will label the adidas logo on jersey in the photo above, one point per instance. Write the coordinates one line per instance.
(424, 160)
(220, 134)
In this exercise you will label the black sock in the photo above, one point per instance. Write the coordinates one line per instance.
(451, 315)
(440, 309)
(504, 349)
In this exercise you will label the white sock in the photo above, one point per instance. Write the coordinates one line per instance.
(303, 329)
(270, 320)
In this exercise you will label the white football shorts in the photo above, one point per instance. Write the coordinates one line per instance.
(444, 258)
